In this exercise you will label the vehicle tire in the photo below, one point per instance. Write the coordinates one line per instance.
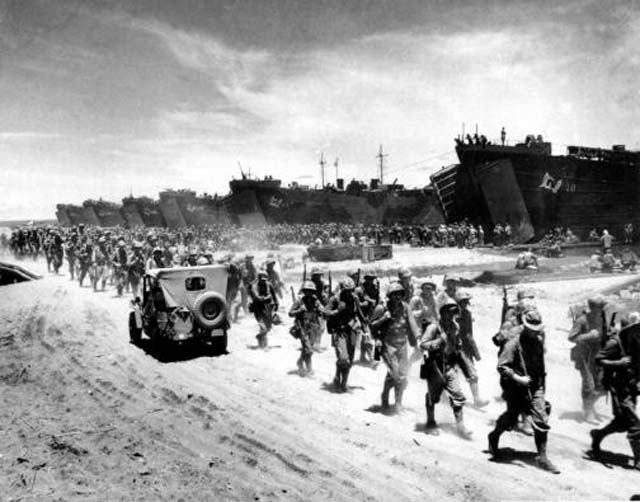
(135, 333)
(210, 310)
(219, 344)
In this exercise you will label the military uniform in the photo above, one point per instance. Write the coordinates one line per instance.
(620, 378)
(369, 296)
(264, 303)
(343, 319)
(307, 311)
(522, 377)
(469, 352)
(588, 333)
(442, 355)
(397, 329)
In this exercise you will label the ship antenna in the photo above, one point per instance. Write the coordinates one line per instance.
(380, 158)
(336, 164)
(241, 171)
(322, 164)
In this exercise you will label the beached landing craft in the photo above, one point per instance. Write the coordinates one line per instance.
(534, 191)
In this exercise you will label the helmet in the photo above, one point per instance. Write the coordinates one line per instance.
(316, 271)
(404, 273)
(353, 272)
(102, 240)
(136, 245)
(121, 243)
(462, 295)
(532, 320)
(309, 286)
(157, 250)
(193, 251)
(248, 256)
(449, 304)
(348, 284)
(428, 282)
(262, 273)
(449, 278)
(369, 272)
(596, 301)
(271, 261)
(395, 287)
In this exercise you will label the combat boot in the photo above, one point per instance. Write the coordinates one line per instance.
(589, 411)
(635, 447)
(431, 426)
(384, 397)
(398, 391)
(307, 361)
(542, 460)
(478, 402)
(494, 439)
(337, 379)
(345, 377)
(597, 435)
(463, 432)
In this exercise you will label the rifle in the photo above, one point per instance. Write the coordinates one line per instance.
(330, 286)
(358, 278)
(304, 272)
(293, 295)
(505, 304)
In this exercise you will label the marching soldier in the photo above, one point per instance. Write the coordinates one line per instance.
(323, 295)
(99, 264)
(70, 252)
(249, 275)
(440, 344)
(423, 307)
(274, 277)
(307, 311)
(395, 328)
(369, 296)
(135, 268)
(264, 303)
(617, 357)
(522, 378)
(469, 352)
(119, 261)
(589, 333)
(343, 317)
(404, 276)
(156, 260)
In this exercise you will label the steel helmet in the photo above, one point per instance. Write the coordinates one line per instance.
(395, 287)
(262, 273)
(316, 271)
(449, 304)
(348, 284)
(404, 273)
(369, 272)
(309, 286)
(462, 294)
(157, 250)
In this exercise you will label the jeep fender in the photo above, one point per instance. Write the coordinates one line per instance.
(210, 310)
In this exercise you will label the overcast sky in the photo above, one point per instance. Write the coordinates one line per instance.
(104, 97)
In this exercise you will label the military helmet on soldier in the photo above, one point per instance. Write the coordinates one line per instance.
(308, 286)
(348, 284)
(369, 272)
(404, 273)
(449, 304)
(462, 295)
(394, 288)
(316, 271)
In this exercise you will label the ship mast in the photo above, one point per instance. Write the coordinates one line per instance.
(322, 164)
(336, 166)
(380, 158)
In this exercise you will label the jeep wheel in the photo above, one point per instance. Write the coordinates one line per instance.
(135, 333)
(210, 310)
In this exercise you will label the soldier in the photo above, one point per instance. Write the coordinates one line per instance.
(274, 276)
(369, 296)
(84, 259)
(469, 349)
(156, 260)
(404, 276)
(423, 307)
(450, 284)
(522, 378)
(323, 295)
(616, 357)
(588, 333)
(264, 303)
(70, 252)
(441, 357)
(100, 264)
(119, 261)
(135, 268)
(395, 328)
(249, 275)
(307, 311)
(343, 315)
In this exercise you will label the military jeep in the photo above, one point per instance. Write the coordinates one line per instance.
(182, 305)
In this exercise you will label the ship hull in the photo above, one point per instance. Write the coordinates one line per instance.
(170, 210)
(63, 216)
(536, 193)
(260, 205)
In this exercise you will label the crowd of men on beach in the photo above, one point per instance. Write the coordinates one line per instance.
(408, 322)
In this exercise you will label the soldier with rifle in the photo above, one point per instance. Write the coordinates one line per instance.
(264, 302)
(323, 296)
(343, 319)
(441, 348)
(369, 296)
(522, 377)
(396, 328)
(617, 358)
(307, 311)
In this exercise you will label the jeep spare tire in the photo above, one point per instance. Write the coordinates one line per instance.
(210, 310)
